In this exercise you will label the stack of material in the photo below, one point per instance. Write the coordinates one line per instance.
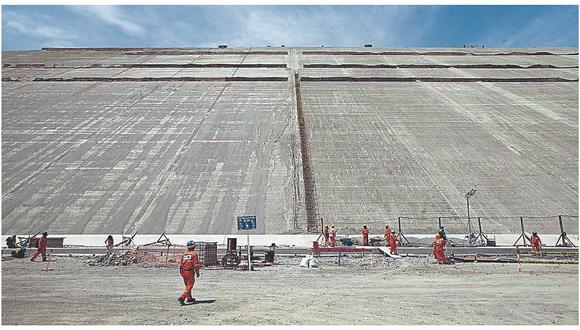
(133, 257)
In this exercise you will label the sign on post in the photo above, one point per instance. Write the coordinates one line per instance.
(247, 222)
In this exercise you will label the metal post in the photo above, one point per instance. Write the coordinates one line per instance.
(563, 240)
(523, 231)
(249, 257)
(439, 222)
(399, 224)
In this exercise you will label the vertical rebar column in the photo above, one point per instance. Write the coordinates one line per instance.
(309, 188)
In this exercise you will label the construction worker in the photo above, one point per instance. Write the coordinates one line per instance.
(11, 242)
(109, 242)
(438, 248)
(326, 235)
(365, 235)
(387, 235)
(41, 248)
(536, 243)
(333, 237)
(393, 242)
(189, 269)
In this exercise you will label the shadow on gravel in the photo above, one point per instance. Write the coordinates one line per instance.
(208, 301)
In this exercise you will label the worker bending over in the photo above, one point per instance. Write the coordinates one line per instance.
(333, 237)
(189, 269)
(326, 235)
(393, 242)
(41, 248)
(438, 248)
(536, 243)
(365, 235)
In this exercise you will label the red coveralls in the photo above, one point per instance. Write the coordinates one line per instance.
(189, 268)
(393, 243)
(365, 236)
(438, 250)
(326, 236)
(536, 241)
(387, 235)
(42, 243)
(333, 237)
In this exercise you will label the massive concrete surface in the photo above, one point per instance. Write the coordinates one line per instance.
(91, 145)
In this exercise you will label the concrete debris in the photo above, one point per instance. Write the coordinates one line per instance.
(133, 257)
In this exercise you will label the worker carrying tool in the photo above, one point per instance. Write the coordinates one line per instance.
(393, 242)
(333, 236)
(536, 243)
(41, 248)
(387, 235)
(438, 248)
(326, 235)
(365, 235)
(189, 269)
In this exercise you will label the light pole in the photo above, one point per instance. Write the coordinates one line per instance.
(468, 195)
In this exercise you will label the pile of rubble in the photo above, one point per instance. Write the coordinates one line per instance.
(132, 257)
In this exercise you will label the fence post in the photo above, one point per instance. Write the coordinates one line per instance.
(565, 241)
(439, 222)
(401, 236)
(523, 236)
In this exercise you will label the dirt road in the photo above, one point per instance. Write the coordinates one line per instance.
(360, 291)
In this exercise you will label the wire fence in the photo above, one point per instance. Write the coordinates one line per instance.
(547, 225)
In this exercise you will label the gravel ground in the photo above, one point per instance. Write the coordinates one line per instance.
(370, 290)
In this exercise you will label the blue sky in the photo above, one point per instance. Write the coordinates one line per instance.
(33, 27)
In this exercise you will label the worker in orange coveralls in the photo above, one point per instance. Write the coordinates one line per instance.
(536, 243)
(41, 249)
(189, 269)
(393, 242)
(333, 237)
(438, 248)
(326, 235)
(365, 235)
(387, 235)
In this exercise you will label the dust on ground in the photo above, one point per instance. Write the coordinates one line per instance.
(369, 290)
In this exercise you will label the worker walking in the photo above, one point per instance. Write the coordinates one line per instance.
(438, 249)
(189, 269)
(41, 248)
(536, 243)
(387, 235)
(109, 242)
(326, 235)
(365, 235)
(393, 242)
(333, 236)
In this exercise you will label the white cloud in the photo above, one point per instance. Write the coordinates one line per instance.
(35, 26)
(113, 16)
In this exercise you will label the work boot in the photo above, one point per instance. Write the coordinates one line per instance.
(181, 301)
(190, 300)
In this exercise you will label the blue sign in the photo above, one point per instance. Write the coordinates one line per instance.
(247, 222)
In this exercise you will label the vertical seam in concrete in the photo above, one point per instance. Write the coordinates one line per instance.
(310, 197)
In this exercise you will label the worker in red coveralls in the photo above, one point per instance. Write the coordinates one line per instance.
(189, 269)
(326, 235)
(41, 248)
(333, 237)
(387, 235)
(393, 242)
(536, 243)
(365, 235)
(438, 248)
